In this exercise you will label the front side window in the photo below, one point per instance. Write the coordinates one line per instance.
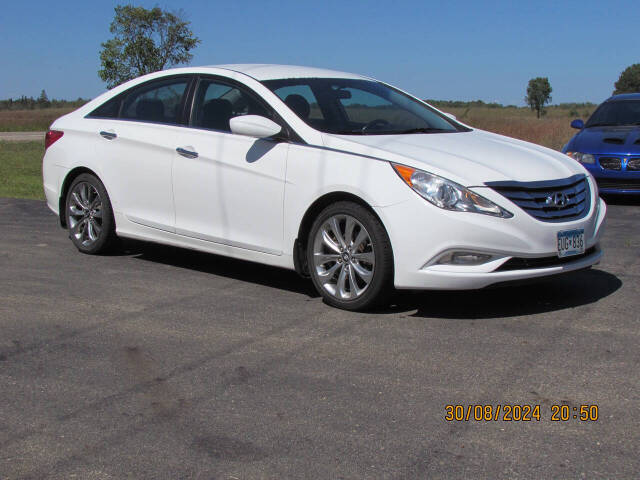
(159, 102)
(619, 112)
(216, 103)
(358, 107)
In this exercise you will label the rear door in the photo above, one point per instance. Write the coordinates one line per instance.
(138, 148)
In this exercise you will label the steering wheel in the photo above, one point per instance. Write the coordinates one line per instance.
(377, 123)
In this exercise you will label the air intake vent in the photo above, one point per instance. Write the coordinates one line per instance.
(610, 163)
(620, 183)
(540, 262)
(633, 164)
(614, 140)
(550, 201)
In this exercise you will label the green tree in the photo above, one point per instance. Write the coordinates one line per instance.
(538, 94)
(144, 41)
(43, 100)
(629, 81)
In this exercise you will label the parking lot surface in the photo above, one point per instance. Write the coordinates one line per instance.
(158, 362)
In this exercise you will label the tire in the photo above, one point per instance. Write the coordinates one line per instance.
(89, 215)
(352, 270)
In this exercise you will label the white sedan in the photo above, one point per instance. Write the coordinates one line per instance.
(344, 178)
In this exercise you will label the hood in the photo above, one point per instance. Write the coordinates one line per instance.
(608, 140)
(469, 158)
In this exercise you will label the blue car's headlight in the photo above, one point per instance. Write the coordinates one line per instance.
(582, 157)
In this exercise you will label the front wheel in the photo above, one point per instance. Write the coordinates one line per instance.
(350, 258)
(89, 216)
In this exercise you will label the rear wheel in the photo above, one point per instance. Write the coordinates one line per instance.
(89, 216)
(349, 257)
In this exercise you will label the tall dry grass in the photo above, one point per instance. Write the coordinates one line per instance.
(553, 130)
(29, 120)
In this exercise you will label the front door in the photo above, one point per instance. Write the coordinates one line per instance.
(228, 188)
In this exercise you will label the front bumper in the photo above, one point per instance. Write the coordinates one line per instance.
(420, 232)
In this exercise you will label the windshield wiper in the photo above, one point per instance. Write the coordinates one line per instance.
(347, 132)
(391, 132)
(612, 124)
(421, 130)
(602, 125)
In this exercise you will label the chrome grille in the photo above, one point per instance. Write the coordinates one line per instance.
(610, 163)
(633, 164)
(550, 201)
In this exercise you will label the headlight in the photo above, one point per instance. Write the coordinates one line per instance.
(446, 194)
(582, 157)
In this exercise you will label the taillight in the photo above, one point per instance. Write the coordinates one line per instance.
(51, 137)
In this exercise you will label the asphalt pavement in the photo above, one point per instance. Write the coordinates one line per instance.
(157, 362)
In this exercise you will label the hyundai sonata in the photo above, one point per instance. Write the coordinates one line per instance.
(346, 179)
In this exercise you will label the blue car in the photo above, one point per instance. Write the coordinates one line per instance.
(608, 145)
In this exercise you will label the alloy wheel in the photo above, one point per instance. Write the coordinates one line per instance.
(343, 257)
(85, 214)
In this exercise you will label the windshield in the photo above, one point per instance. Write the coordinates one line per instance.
(358, 107)
(621, 112)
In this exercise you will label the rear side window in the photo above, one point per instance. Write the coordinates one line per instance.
(158, 102)
(108, 109)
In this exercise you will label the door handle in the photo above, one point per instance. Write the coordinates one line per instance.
(108, 135)
(187, 153)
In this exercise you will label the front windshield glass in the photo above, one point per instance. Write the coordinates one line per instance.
(620, 112)
(358, 107)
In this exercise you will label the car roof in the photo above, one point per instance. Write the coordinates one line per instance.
(624, 96)
(262, 71)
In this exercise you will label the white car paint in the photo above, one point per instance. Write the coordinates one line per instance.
(254, 126)
(246, 197)
(233, 192)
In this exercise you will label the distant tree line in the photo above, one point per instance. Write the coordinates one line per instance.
(463, 104)
(443, 104)
(43, 101)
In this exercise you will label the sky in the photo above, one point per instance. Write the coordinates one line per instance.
(456, 50)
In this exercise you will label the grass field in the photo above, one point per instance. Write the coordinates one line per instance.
(21, 170)
(552, 130)
(29, 120)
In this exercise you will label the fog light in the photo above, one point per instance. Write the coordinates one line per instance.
(463, 258)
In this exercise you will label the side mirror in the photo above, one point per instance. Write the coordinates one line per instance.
(451, 116)
(254, 126)
(577, 123)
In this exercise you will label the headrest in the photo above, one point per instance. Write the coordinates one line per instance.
(299, 105)
(150, 109)
(216, 114)
(217, 106)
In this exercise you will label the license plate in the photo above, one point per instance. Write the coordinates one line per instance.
(570, 242)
